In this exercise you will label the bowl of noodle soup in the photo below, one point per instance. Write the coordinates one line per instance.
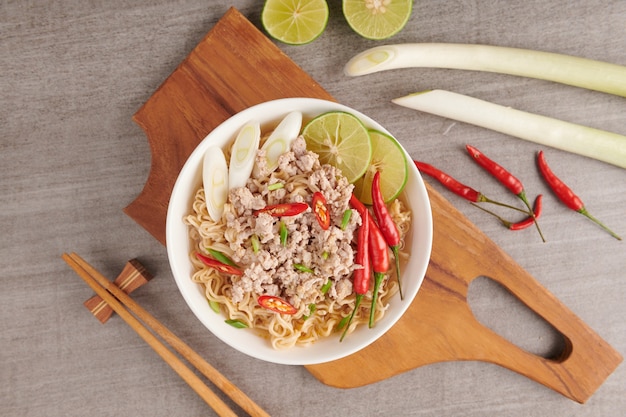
(181, 244)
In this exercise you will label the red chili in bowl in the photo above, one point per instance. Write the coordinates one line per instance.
(284, 209)
(276, 304)
(386, 224)
(360, 276)
(320, 208)
(221, 267)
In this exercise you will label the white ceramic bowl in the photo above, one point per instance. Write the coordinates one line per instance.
(246, 340)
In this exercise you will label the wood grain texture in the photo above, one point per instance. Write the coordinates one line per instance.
(133, 276)
(145, 324)
(236, 66)
(439, 326)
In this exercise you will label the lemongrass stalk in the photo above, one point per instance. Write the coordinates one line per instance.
(593, 143)
(565, 69)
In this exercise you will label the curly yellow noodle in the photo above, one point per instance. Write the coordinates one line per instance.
(283, 331)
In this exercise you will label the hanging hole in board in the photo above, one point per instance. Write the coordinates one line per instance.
(496, 308)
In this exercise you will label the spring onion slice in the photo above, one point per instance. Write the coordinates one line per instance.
(593, 143)
(222, 257)
(284, 233)
(238, 324)
(243, 154)
(565, 69)
(280, 139)
(215, 181)
(215, 306)
(326, 287)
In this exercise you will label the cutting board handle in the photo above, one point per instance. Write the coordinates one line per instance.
(440, 325)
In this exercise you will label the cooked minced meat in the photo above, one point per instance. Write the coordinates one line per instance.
(329, 253)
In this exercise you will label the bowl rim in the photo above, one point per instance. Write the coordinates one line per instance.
(247, 340)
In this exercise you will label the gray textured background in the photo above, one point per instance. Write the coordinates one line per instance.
(72, 74)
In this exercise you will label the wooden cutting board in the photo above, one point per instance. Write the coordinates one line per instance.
(234, 67)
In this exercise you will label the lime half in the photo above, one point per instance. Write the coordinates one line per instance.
(377, 19)
(388, 158)
(295, 22)
(340, 139)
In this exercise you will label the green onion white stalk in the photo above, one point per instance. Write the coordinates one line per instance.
(593, 143)
(565, 69)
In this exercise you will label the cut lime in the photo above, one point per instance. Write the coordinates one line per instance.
(340, 139)
(388, 158)
(377, 19)
(295, 22)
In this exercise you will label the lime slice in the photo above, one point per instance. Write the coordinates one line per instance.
(295, 22)
(340, 139)
(388, 158)
(377, 19)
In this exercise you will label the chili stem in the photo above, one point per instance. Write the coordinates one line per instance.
(359, 297)
(585, 213)
(505, 222)
(483, 199)
(528, 221)
(396, 255)
(378, 279)
(522, 196)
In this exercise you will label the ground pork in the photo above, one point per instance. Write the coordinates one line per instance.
(329, 253)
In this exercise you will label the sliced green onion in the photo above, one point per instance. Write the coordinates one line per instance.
(275, 186)
(236, 323)
(221, 257)
(302, 268)
(343, 322)
(312, 308)
(243, 154)
(565, 69)
(215, 306)
(346, 219)
(283, 233)
(281, 137)
(325, 255)
(593, 143)
(326, 286)
(256, 245)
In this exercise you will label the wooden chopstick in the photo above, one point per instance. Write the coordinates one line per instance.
(111, 294)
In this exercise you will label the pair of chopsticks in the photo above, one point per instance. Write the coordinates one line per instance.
(133, 314)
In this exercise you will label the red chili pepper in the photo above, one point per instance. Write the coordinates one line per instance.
(505, 177)
(276, 304)
(284, 209)
(221, 267)
(528, 221)
(450, 183)
(565, 194)
(356, 203)
(457, 187)
(361, 276)
(386, 224)
(320, 208)
(380, 262)
(523, 224)
(361, 209)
